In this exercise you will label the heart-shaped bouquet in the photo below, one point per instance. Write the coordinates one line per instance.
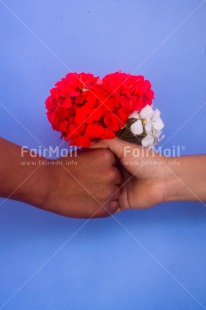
(86, 109)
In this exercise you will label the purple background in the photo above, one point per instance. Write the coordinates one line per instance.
(148, 259)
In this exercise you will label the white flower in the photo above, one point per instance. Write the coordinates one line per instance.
(157, 121)
(148, 141)
(134, 114)
(146, 112)
(137, 127)
(150, 121)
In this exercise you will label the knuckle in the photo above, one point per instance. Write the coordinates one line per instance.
(103, 213)
(109, 192)
(106, 213)
(107, 155)
(114, 206)
(112, 174)
(106, 194)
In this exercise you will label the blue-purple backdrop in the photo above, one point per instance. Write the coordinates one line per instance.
(149, 259)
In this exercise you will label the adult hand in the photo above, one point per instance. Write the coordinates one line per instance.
(143, 184)
(86, 188)
(81, 185)
(150, 178)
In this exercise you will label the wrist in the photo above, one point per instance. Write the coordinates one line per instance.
(173, 182)
(36, 189)
(31, 183)
(58, 175)
(42, 183)
(24, 175)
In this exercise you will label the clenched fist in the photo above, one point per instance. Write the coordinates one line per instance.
(88, 188)
(81, 185)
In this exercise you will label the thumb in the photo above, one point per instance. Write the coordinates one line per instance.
(119, 147)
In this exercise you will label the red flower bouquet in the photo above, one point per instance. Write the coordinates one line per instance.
(85, 109)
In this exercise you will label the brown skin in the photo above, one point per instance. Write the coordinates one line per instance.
(150, 179)
(90, 188)
(86, 189)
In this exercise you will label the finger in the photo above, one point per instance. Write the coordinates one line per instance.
(106, 156)
(116, 175)
(116, 194)
(118, 210)
(119, 178)
(119, 147)
(101, 144)
(109, 209)
(114, 206)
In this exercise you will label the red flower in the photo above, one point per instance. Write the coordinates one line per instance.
(82, 141)
(132, 91)
(112, 121)
(84, 108)
(94, 131)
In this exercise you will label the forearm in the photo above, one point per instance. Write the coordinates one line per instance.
(22, 177)
(186, 178)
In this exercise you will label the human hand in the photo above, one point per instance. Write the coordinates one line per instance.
(86, 189)
(143, 183)
(90, 188)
